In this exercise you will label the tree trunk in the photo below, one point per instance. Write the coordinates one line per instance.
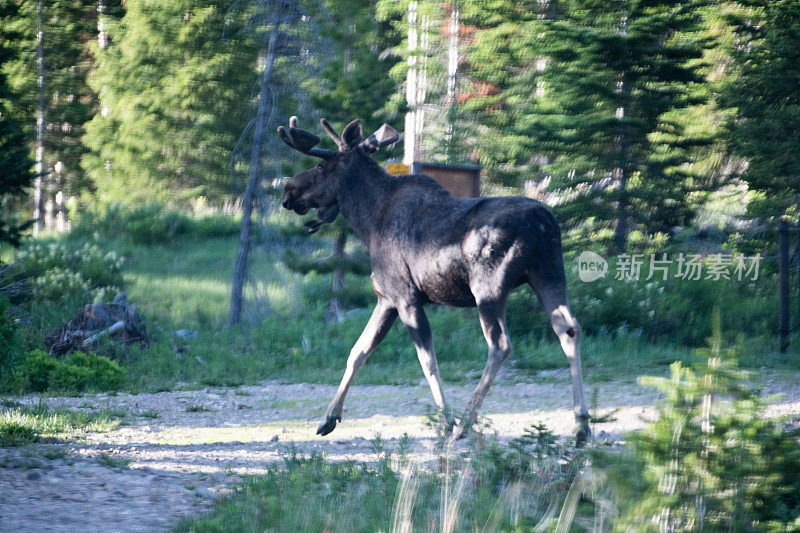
(338, 253)
(621, 229)
(240, 265)
(334, 312)
(38, 197)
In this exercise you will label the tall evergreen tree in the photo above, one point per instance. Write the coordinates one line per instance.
(67, 103)
(356, 83)
(174, 96)
(765, 95)
(582, 93)
(15, 162)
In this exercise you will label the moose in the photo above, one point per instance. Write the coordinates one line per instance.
(428, 247)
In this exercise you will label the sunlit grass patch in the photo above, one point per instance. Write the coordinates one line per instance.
(486, 488)
(25, 424)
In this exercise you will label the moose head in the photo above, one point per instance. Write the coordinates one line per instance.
(317, 187)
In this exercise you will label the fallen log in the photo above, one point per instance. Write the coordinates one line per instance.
(119, 320)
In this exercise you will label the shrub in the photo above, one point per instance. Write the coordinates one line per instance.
(152, 224)
(59, 272)
(712, 460)
(78, 372)
(8, 339)
(32, 374)
(87, 371)
(14, 432)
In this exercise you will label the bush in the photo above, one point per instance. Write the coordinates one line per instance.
(8, 340)
(152, 224)
(712, 460)
(33, 373)
(59, 272)
(78, 372)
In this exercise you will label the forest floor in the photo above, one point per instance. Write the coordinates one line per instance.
(179, 452)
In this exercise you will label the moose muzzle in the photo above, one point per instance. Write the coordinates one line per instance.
(291, 201)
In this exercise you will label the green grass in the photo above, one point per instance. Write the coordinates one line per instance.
(487, 488)
(113, 462)
(185, 285)
(21, 425)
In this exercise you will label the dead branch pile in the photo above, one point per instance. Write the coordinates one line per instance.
(119, 319)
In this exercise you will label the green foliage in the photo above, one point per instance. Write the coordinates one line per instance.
(500, 488)
(356, 83)
(712, 460)
(68, 28)
(9, 341)
(15, 162)
(766, 98)
(588, 95)
(176, 100)
(151, 224)
(20, 425)
(61, 272)
(340, 263)
(77, 372)
(674, 309)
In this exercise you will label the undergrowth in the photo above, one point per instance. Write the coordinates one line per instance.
(25, 424)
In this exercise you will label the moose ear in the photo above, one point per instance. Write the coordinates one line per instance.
(353, 134)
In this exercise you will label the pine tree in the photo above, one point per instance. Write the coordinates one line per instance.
(174, 96)
(68, 26)
(712, 460)
(583, 91)
(338, 263)
(356, 83)
(766, 98)
(15, 162)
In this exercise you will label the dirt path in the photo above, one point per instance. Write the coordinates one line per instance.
(180, 451)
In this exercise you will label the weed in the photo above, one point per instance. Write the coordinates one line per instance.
(23, 425)
(113, 462)
(198, 409)
(149, 414)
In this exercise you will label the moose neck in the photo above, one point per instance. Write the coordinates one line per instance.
(364, 190)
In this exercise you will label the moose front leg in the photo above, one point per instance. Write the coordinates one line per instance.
(413, 317)
(383, 316)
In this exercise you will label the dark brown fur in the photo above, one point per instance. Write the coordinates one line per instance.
(427, 246)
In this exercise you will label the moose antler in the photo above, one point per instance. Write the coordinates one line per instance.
(303, 141)
(332, 134)
(384, 136)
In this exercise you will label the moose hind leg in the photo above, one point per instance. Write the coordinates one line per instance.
(493, 324)
(381, 321)
(554, 300)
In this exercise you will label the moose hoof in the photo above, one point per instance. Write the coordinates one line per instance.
(328, 425)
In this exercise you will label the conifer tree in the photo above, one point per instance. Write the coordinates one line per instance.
(766, 98)
(68, 26)
(582, 91)
(174, 97)
(355, 83)
(339, 263)
(712, 460)
(15, 162)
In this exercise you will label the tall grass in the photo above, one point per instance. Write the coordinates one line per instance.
(487, 487)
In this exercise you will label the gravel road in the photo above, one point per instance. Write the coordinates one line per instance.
(180, 451)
